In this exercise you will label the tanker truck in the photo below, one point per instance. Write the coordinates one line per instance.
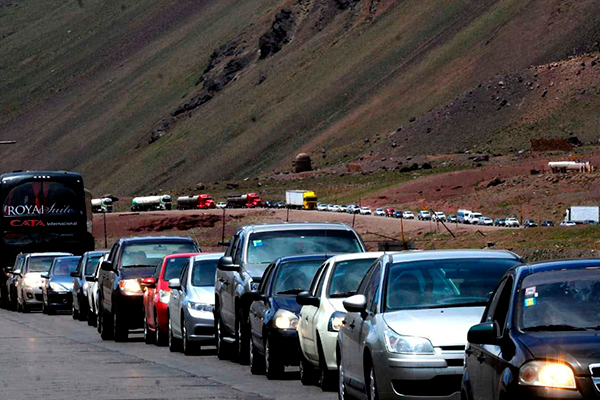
(570, 166)
(301, 199)
(151, 203)
(199, 202)
(250, 200)
(102, 205)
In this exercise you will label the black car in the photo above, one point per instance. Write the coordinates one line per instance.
(529, 224)
(397, 214)
(547, 223)
(500, 222)
(540, 335)
(56, 290)
(251, 250)
(273, 313)
(85, 268)
(121, 306)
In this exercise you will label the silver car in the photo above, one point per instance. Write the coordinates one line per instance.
(405, 333)
(29, 283)
(192, 303)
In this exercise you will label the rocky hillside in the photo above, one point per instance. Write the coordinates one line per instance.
(152, 94)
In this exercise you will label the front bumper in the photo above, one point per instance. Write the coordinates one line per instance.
(59, 300)
(200, 325)
(436, 377)
(585, 390)
(132, 310)
(285, 342)
(32, 296)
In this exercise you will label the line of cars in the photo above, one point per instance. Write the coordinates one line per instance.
(463, 324)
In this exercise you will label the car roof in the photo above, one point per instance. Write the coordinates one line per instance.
(95, 253)
(67, 258)
(47, 173)
(555, 265)
(142, 239)
(407, 256)
(49, 254)
(304, 257)
(208, 256)
(296, 226)
(359, 256)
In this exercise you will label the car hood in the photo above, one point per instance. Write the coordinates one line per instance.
(287, 302)
(204, 294)
(579, 349)
(65, 281)
(442, 326)
(256, 271)
(137, 272)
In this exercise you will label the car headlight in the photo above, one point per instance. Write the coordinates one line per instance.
(164, 296)
(32, 281)
(130, 287)
(400, 344)
(547, 374)
(336, 321)
(192, 305)
(286, 320)
(57, 287)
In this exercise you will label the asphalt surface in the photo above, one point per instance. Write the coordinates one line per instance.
(56, 357)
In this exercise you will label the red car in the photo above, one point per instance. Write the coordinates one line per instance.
(156, 297)
(389, 212)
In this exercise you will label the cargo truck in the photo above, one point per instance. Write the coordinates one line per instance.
(250, 200)
(582, 214)
(151, 203)
(197, 202)
(103, 205)
(301, 199)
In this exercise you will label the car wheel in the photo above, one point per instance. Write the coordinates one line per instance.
(74, 312)
(256, 362)
(189, 348)
(148, 337)
(372, 386)
(24, 308)
(121, 332)
(50, 310)
(307, 371)
(106, 325)
(274, 368)
(160, 338)
(91, 318)
(327, 378)
(241, 333)
(222, 353)
(83, 311)
(173, 341)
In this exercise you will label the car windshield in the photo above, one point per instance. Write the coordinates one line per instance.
(347, 275)
(92, 263)
(151, 254)
(174, 266)
(560, 300)
(443, 283)
(64, 267)
(265, 247)
(296, 276)
(40, 264)
(204, 272)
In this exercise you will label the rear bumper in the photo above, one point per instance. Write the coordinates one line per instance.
(162, 316)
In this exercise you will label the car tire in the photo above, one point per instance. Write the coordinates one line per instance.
(106, 325)
(257, 366)
(50, 310)
(327, 378)
(24, 308)
(274, 368)
(83, 312)
(74, 312)
(121, 332)
(371, 387)
(241, 333)
(148, 337)
(160, 338)
(189, 348)
(174, 344)
(307, 371)
(222, 346)
(91, 318)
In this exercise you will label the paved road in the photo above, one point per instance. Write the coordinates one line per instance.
(55, 357)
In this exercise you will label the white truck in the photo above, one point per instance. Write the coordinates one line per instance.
(583, 214)
(151, 203)
(301, 199)
(102, 205)
(463, 216)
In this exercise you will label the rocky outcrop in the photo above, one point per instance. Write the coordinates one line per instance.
(279, 35)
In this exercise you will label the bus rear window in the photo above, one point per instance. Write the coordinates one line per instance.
(41, 198)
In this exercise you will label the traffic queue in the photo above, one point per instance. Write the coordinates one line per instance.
(445, 324)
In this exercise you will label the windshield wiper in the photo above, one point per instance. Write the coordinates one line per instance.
(556, 327)
(451, 305)
(291, 291)
(341, 294)
(139, 266)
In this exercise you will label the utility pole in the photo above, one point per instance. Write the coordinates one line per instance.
(223, 232)
(105, 235)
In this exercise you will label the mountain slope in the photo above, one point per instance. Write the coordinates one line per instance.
(90, 98)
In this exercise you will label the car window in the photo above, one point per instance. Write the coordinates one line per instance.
(372, 289)
(237, 257)
(363, 284)
(264, 282)
(91, 264)
(203, 272)
(79, 266)
(501, 304)
(230, 250)
(347, 275)
(321, 283)
(316, 282)
(64, 266)
(183, 274)
(295, 276)
(150, 254)
(173, 267)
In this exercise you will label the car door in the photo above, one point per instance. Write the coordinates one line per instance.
(107, 280)
(309, 314)
(225, 287)
(77, 283)
(178, 298)
(258, 309)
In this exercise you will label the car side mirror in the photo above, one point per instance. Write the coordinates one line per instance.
(174, 283)
(484, 333)
(149, 283)
(16, 272)
(252, 296)
(90, 278)
(107, 266)
(356, 304)
(74, 274)
(307, 299)
(226, 264)
(224, 244)
(45, 276)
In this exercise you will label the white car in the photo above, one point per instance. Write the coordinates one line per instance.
(511, 222)
(485, 221)
(408, 215)
(93, 296)
(222, 204)
(343, 209)
(424, 215)
(322, 314)
(330, 207)
(321, 207)
(438, 216)
(365, 211)
(336, 208)
(380, 212)
(568, 223)
(474, 218)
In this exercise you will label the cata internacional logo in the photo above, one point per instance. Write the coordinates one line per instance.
(28, 210)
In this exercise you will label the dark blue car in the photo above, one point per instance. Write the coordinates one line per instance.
(273, 315)
(56, 290)
(540, 335)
